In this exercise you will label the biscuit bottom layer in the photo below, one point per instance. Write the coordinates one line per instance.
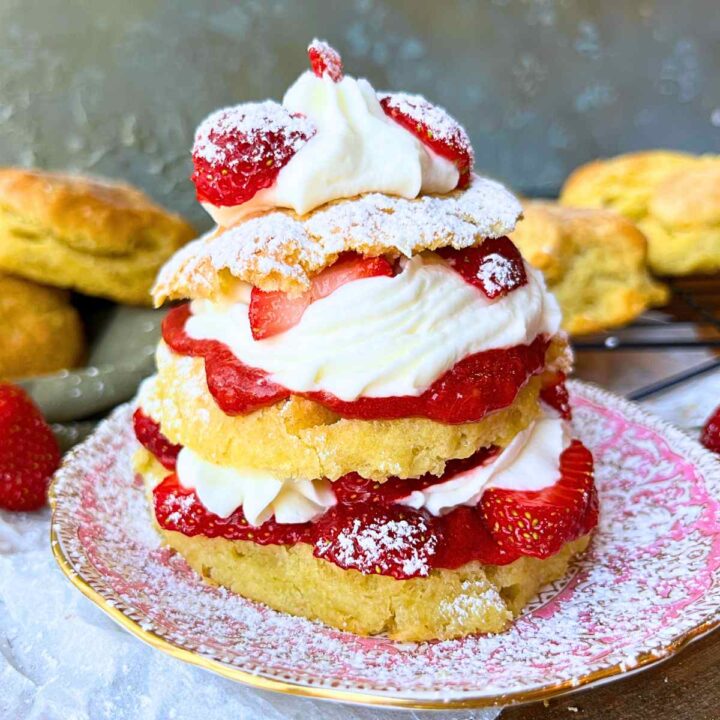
(446, 604)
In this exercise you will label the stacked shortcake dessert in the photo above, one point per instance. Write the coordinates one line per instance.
(360, 414)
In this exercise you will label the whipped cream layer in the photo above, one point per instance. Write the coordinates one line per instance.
(261, 495)
(383, 336)
(530, 462)
(357, 149)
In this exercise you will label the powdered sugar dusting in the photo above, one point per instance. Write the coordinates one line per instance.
(253, 122)
(647, 581)
(280, 250)
(497, 273)
(475, 598)
(423, 113)
(371, 547)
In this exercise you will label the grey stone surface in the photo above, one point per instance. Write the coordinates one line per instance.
(542, 85)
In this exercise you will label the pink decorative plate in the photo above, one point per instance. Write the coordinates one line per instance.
(647, 586)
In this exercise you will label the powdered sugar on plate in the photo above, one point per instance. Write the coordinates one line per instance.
(646, 585)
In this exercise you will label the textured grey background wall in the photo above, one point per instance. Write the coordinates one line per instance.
(542, 85)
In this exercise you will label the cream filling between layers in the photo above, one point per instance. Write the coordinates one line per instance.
(383, 336)
(531, 462)
(357, 149)
(260, 494)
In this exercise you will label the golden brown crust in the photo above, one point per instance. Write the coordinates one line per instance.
(280, 250)
(40, 332)
(673, 197)
(594, 262)
(298, 438)
(92, 235)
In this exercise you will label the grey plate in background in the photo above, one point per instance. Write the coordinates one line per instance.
(122, 342)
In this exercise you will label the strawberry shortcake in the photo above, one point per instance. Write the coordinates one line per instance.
(360, 413)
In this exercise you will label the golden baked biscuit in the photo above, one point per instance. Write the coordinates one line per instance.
(673, 197)
(40, 331)
(280, 250)
(298, 438)
(594, 262)
(446, 604)
(98, 237)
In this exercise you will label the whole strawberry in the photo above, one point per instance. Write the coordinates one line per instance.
(29, 453)
(710, 436)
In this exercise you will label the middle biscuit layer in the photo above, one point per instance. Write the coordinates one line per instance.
(300, 438)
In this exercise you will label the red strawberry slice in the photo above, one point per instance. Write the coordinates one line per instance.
(29, 453)
(237, 388)
(710, 437)
(325, 60)
(538, 523)
(240, 150)
(274, 312)
(433, 126)
(148, 434)
(353, 488)
(467, 538)
(496, 267)
(554, 393)
(373, 539)
(179, 509)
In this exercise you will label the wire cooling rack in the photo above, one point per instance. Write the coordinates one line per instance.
(685, 334)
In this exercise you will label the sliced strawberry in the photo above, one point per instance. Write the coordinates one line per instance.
(554, 393)
(590, 519)
(325, 60)
(237, 388)
(710, 437)
(240, 150)
(538, 523)
(148, 433)
(373, 539)
(496, 267)
(467, 538)
(274, 312)
(353, 488)
(179, 509)
(434, 127)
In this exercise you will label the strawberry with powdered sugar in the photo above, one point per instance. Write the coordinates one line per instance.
(239, 151)
(433, 126)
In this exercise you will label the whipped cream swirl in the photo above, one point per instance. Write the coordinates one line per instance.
(357, 149)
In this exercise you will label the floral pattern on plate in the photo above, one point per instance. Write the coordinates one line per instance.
(647, 585)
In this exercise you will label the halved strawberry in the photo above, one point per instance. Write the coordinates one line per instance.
(710, 437)
(392, 540)
(240, 150)
(554, 393)
(325, 60)
(149, 435)
(538, 523)
(433, 126)
(274, 312)
(496, 267)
